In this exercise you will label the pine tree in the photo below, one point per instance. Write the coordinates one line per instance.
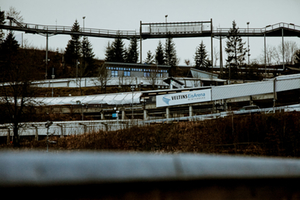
(159, 54)
(109, 53)
(132, 53)
(201, 56)
(118, 48)
(235, 51)
(170, 53)
(8, 52)
(88, 66)
(72, 52)
(115, 52)
(170, 56)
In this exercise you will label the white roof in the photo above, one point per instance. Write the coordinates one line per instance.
(110, 99)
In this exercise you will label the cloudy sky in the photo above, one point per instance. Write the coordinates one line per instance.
(127, 14)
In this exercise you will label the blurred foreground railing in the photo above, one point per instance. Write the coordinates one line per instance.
(146, 176)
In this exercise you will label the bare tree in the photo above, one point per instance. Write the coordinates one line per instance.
(216, 55)
(271, 55)
(289, 49)
(17, 72)
(152, 75)
(187, 62)
(12, 12)
(103, 77)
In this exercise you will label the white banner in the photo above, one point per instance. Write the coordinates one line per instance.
(183, 98)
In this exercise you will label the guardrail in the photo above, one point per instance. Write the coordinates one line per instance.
(63, 128)
(147, 176)
(290, 108)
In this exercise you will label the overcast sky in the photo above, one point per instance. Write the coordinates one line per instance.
(127, 14)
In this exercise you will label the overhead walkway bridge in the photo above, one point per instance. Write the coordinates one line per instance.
(157, 30)
(161, 30)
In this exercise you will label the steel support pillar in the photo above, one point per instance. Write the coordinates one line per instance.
(221, 56)
(167, 113)
(141, 43)
(190, 112)
(212, 45)
(123, 114)
(145, 114)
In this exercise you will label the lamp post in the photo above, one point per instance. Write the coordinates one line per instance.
(117, 114)
(166, 18)
(248, 43)
(83, 18)
(80, 104)
(132, 89)
(47, 125)
(53, 76)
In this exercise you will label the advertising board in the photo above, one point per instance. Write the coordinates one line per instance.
(183, 98)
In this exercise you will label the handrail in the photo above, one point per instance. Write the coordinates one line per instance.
(68, 29)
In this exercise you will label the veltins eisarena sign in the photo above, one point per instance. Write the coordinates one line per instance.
(183, 98)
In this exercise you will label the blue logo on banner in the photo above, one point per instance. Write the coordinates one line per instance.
(166, 100)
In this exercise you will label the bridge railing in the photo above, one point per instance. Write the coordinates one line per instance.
(261, 30)
(68, 29)
(282, 25)
(175, 27)
(242, 30)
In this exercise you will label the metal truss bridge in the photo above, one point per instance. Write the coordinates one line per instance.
(158, 30)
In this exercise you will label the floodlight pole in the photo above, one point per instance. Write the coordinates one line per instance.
(46, 74)
(282, 32)
(248, 43)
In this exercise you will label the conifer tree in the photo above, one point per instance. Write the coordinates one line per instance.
(170, 53)
(109, 53)
(118, 48)
(159, 54)
(72, 52)
(115, 52)
(88, 64)
(235, 51)
(201, 57)
(132, 53)
(170, 56)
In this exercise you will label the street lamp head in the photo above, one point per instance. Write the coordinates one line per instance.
(83, 17)
(48, 124)
(248, 23)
